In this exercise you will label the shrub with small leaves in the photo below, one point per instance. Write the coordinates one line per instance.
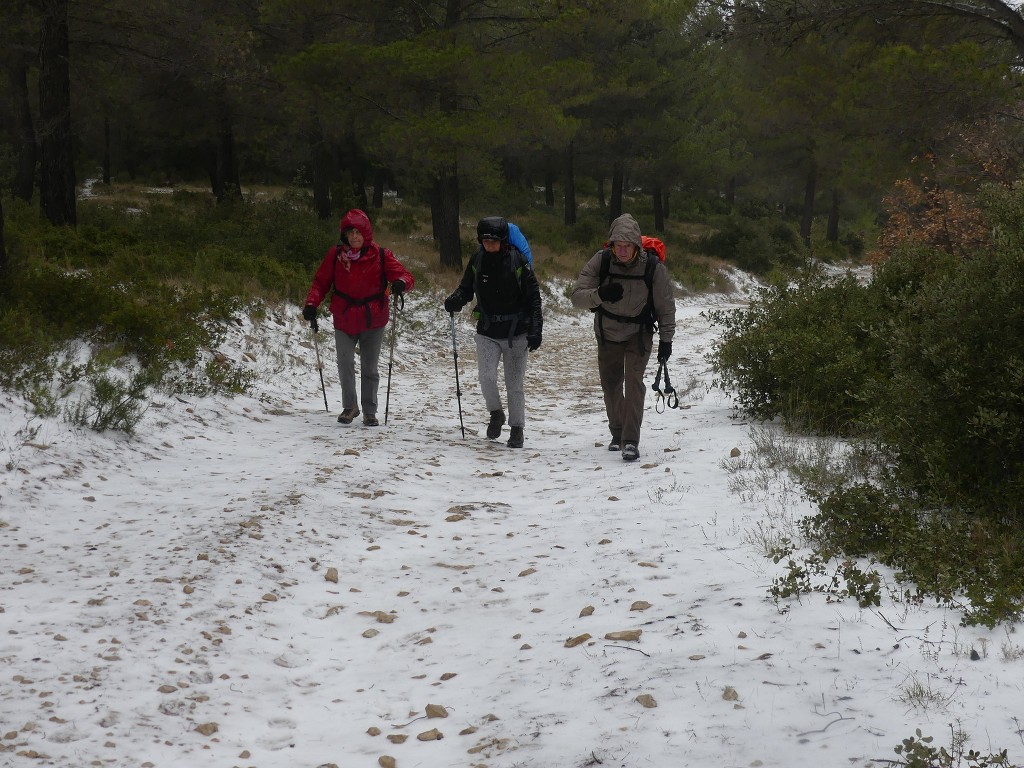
(111, 404)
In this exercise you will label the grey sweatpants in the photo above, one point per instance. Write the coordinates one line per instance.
(489, 352)
(369, 353)
(621, 365)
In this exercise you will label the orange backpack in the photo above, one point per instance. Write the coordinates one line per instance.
(653, 244)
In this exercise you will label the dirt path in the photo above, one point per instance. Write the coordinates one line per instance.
(249, 583)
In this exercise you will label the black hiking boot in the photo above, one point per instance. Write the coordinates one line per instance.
(615, 444)
(630, 452)
(495, 424)
(515, 438)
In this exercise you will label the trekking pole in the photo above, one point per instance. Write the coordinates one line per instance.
(391, 354)
(458, 391)
(320, 367)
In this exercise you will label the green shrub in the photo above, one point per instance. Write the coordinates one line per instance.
(951, 409)
(754, 245)
(803, 352)
(111, 404)
(589, 231)
(917, 752)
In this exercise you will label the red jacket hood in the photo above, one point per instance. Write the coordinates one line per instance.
(356, 219)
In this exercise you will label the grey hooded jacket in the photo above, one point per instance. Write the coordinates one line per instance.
(634, 298)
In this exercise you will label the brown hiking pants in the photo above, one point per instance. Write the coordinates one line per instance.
(621, 365)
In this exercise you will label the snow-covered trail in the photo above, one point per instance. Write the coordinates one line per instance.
(249, 583)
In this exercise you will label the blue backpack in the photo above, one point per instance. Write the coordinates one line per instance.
(517, 240)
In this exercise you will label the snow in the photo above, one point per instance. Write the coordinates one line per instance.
(169, 600)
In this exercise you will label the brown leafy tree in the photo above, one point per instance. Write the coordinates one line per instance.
(938, 206)
(929, 212)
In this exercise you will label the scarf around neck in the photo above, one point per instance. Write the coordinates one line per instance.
(347, 255)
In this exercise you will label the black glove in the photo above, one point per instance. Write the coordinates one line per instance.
(533, 342)
(309, 313)
(610, 292)
(453, 304)
(664, 351)
(398, 288)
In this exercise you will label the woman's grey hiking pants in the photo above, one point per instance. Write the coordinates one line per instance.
(621, 365)
(489, 352)
(369, 353)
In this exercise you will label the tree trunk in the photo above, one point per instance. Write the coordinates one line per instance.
(601, 202)
(380, 180)
(832, 231)
(358, 171)
(615, 202)
(570, 187)
(320, 167)
(106, 150)
(447, 218)
(3, 253)
(210, 161)
(665, 208)
(730, 191)
(25, 173)
(659, 209)
(808, 216)
(435, 211)
(56, 153)
(549, 187)
(227, 185)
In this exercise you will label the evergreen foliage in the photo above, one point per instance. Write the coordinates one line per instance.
(924, 366)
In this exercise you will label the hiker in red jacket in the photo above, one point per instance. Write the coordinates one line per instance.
(362, 274)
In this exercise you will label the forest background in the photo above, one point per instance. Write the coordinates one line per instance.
(773, 136)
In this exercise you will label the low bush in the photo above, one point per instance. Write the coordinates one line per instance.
(925, 365)
(754, 244)
(804, 352)
(153, 287)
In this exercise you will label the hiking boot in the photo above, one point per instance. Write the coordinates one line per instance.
(370, 421)
(515, 438)
(348, 415)
(615, 444)
(630, 452)
(495, 424)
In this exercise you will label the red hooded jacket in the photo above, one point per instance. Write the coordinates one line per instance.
(362, 286)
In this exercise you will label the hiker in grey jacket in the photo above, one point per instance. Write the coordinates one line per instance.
(625, 312)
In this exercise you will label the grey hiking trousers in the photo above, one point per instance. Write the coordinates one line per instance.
(490, 352)
(621, 365)
(369, 379)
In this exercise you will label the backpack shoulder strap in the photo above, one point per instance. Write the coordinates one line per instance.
(517, 261)
(652, 264)
(475, 262)
(606, 265)
(383, 267)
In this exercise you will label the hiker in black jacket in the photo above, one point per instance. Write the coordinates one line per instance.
(509, 321)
